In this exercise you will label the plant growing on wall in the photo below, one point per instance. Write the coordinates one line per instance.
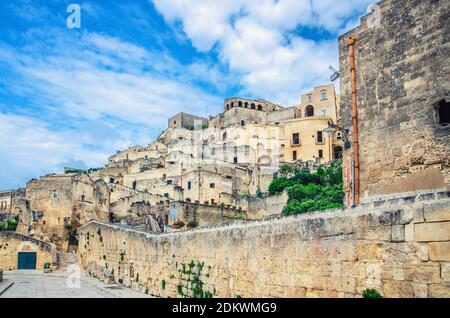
(9, 224)
(371, 293)
(191, 284)
(122, 255)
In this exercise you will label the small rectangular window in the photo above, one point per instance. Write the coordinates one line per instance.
(235, 160)
(320, 153)
(212, 185)
(189, 185)
(294, 155)
(323, 96)
(169, 182)
(319, 136)
(296, 139)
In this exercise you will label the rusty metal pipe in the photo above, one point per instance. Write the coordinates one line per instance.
(351, 46)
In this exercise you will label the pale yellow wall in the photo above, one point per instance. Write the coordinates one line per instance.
(11, 244)
(330, 104)
(308, 149)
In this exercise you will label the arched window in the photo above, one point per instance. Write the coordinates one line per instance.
(224, 136)
(253, 106)
(240, 104)
(228, 107)
(246, 105)
(259, 107)
(309, 111)
(232, 105)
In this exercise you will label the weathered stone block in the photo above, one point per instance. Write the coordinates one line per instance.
(445, 272)
(409, 232)
(437, 215)
(369, 252)
(439, 291)
(430, 273)
(396, 289)
(398, 233)
(432, 232)
(420, 290)
(439, 251)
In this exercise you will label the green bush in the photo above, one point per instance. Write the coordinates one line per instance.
(193, 224)
(9, 225)
(307, 191)
(371, 293)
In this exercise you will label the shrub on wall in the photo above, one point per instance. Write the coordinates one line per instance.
(9, 225)
(308, 191)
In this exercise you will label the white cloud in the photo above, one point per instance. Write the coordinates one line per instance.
(104, 94)
(30, 148)
(255, 39)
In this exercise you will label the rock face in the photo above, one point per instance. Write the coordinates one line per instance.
(399, 247)
(403, 85)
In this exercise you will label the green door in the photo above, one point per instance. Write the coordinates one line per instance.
(26, 260)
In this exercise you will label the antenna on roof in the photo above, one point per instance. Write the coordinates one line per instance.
(335, 75)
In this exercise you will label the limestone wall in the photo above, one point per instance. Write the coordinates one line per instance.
(399, 247)
(12, 243)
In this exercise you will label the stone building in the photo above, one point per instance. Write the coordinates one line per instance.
(18, 251)
(321, 101)
(5, 201)
(183, 120)
(57, 203)
(306, 140)
(402, 79)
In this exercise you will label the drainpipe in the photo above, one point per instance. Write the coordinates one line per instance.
(351, 46)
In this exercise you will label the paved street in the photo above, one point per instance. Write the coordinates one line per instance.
(35, 284)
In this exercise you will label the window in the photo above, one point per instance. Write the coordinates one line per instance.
(309, 98)
(319, 136)
(166, 195)
(275, 175)
(253, 106)
(111, 180)
(174, 122)
(294, 155)
(189, 185)
(169, 182)
(324, 112)
(242, 122)
(339, 136)
(309, 111)
(83, 197)
(323, 96)
(259, 107)
(146, 157)
(240, 104)
(296, 139)
(320, 153)
(246, 105)
(55, 194)
(212, 185)
(235, 160)
(443, 111)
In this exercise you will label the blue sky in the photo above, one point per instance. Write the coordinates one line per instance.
(72, 97)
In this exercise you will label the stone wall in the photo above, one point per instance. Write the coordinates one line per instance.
(12, 243)
(402, 67)
(402, 250)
